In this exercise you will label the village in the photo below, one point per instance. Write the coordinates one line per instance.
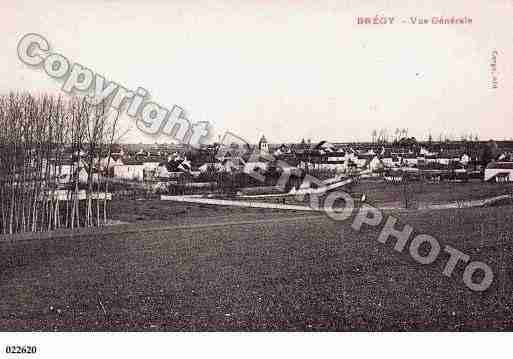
(455, 161)
(70, 182)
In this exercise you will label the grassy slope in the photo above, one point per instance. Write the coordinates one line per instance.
(390, 195)
(382, 193)
(310, 274)
(173, 212)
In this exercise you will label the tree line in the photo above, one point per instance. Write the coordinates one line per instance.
(50, 176)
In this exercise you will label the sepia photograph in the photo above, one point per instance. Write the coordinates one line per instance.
(254, 171)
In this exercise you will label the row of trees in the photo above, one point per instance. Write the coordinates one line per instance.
(385, 136)
(49, 173)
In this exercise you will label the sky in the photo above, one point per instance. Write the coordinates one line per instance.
(289, 69)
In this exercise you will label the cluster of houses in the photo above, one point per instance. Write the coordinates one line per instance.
(162, 164)
(329, 156)
(69, 165)
(456, 162)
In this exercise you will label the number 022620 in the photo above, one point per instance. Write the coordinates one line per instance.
(20, 349)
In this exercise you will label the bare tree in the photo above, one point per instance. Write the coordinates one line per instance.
(374, 135)
(43, 143)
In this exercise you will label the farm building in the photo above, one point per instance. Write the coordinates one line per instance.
(151, 164)
(446, 157)
(166, 171)
(67, 171)
(255, 166)
(376, 165)
(130, 170)
(393, 178)
(106, 163)
(409, 159)
(499, 172)
(224, 166)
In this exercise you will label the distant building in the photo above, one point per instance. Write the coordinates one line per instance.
(68, 171)
(499, 172)
(150, 167)
(263, 145)
(465, 159)
(106, 163)
(226, 165)
(131, 170)
(212, 166)
(375, 165)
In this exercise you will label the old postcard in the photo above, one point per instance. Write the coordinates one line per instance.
(244, 166)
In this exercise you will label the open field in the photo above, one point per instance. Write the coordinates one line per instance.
(177, 213)
(258, 271)
(382, 193)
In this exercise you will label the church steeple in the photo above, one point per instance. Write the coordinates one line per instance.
(263, 146)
